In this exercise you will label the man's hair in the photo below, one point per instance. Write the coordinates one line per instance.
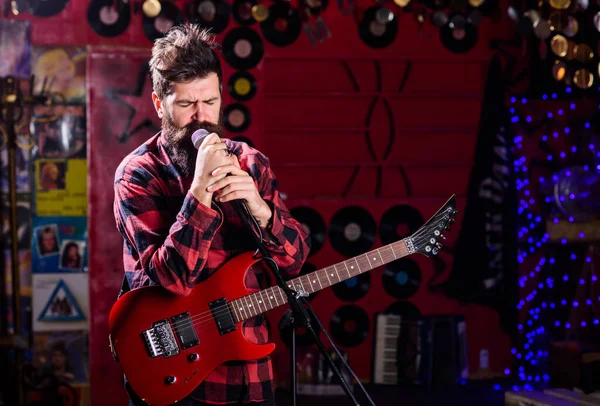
(185, 53)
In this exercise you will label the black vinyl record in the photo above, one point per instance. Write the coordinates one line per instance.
(353, 288)
(242, 86)
(398, 222)
(459, 40)
(315, 7)
(402, 278)
(156, 27)
(213, 14)
(312, 221)
(374, 33)
(349, 325)
(107, 18)
(283, 25)
(243, 48)
(242, 11)
(407, 310)
(244, 139)
(236, 118)
(352, 231)
(46, 8)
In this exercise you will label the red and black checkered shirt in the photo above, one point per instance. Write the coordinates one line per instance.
(175, 241)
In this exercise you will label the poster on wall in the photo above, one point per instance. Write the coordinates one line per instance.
(61, 187)
(22, 169)
(59, 131)
(24, 272)
(63, 355)
(59, 244)
(60, 302)
(61, 70)
(15, 48)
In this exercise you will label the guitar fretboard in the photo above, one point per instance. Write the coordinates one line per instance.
(270, 298)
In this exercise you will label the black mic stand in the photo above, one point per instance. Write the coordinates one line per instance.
(297, 315)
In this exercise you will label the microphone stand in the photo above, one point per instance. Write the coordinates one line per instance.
(297, 315)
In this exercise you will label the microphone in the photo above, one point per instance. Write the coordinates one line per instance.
(198, 137)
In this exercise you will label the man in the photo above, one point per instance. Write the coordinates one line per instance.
(173, 203)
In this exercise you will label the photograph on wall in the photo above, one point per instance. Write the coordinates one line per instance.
(59, 131)
(60, 302)
(63, 355)
(15, 48)
(59, 244)
(22, 168)
(23, 221)
(61, 187)
(61, 70)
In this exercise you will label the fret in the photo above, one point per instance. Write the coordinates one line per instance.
(393, 253)
(262, 294)
(233, 306)
(248, 306)
(370, 266)
(269, 297)
(273, 295)
(337, 273)
(327, 276)
(347, 270)
(318, 279)
(380, 257)
(281, 294)
(356, 262)
(242, 308)
(309, 284)
(259, 302)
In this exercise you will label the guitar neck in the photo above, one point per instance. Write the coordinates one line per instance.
(267, 299)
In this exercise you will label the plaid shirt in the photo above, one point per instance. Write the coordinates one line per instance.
(173, 240)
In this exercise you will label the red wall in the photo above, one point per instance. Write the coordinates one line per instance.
(334, 131)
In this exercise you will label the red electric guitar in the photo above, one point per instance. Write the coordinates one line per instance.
(168, 344)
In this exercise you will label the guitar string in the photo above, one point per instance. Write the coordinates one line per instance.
(207, 316)
(220, 310)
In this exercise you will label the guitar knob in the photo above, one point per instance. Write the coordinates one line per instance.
(451, 221)
(170, 380)
(193, 357)
(438, 245)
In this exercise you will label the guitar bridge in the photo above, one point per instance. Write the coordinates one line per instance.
(160, 340)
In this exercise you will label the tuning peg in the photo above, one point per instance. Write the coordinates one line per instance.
(455, 212)
(447, 228)
(451, 221)
(442, 236)
(439, 245)
(434, 251)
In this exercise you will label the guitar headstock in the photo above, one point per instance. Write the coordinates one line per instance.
(426, 239)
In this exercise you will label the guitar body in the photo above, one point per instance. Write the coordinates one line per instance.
(161, 380)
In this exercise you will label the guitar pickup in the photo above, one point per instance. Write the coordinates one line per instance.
(185, 331)
(222, 315)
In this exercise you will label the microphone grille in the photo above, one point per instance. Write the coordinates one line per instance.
(198, 136)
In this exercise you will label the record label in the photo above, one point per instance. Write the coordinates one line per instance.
(108, 18)
(353, 288)
(236, 118)
(169, 17)
(242, 86)
(313, 223)
(402, 278)
(376, 32)
(458, 36)
(283, 25)
(243, 48)
(213, 14)
(352, 231)
(398, 222)
(349, 325)
(242, 12)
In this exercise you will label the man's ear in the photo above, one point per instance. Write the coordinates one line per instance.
(157, 105)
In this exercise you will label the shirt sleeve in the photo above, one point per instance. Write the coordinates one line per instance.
(172, 255)
(284, 237)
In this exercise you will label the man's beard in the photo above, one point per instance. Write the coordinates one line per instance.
(179, 144)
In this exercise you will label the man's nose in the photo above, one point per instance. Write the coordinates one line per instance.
(199, 112)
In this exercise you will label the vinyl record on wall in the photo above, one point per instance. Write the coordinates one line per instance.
(407, 310)
(156, 27)
(352, 231)
(242, 11)
(312, 221)
(109, 18)
(315, 7)
(283, 25)
(402, 278)
(349, 325)
(213, 14)
(243, 48)
(353, 288)
(244, 139)
(242, 86)
(46, 8)
(236, 118)
(458, 35)
(398, 222)
(378, 27)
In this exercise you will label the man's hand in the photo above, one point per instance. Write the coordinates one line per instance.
(212, 154)
(240, 185)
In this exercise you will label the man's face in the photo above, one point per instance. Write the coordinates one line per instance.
(48, 241)
(191, 106)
